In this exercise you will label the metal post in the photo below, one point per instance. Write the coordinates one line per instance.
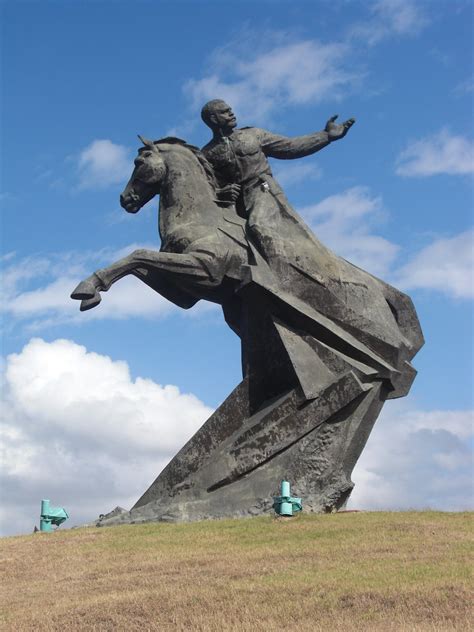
(286, 508)
(45, 523)
(285, 505)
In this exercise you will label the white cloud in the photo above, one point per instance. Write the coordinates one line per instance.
(53, 279)
(441, 153)
(36, 290)
(260, 72)
(464, 87)
(7, 256)
(344, 222)
(446, 265)
(416, 460)
(388, 18)
(256, 83)
(131, 298)
(103, 163)
(77, 429)
(289, 175)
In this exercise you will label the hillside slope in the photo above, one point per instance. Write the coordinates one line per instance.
(347, 571)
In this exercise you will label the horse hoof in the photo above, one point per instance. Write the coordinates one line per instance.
(89, 303)
(84, 291)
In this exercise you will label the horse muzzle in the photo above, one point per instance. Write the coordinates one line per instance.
(130, 202)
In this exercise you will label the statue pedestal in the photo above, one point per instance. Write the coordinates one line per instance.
(303, 413)
(233, 467)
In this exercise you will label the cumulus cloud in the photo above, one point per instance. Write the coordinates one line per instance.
(441, 153)
(79, 430)
(37, 290)
(286, 73)
(446, 265)
(103, 163)
(345, 223)
(416, 459)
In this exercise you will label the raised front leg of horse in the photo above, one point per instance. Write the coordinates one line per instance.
(148, 266)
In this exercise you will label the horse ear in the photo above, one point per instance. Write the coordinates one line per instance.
(148, 143)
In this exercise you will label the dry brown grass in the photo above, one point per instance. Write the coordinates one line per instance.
(354, 571)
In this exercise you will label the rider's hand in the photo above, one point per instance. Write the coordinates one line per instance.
(229, 193)
(335, 131)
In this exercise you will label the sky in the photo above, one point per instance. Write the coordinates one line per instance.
(95, 404)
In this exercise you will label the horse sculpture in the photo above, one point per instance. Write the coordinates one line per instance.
(324, 344)
(203, 245)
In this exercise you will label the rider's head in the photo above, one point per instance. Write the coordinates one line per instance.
(218, 115)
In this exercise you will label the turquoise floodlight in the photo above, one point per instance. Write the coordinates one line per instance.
(51, 516)
(285, 505)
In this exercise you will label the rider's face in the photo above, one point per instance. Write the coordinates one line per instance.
(223, 117)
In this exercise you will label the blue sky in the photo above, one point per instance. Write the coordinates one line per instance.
(88, 418)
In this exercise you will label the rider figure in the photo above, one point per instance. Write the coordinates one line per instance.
(239, 156)
(239, 159)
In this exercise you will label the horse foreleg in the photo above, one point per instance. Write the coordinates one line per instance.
(184, 266)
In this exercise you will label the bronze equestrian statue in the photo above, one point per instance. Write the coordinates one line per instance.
(324, 343)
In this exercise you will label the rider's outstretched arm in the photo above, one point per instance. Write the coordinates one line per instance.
(286, 148)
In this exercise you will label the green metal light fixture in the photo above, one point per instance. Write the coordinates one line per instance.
(51, 516)
(286, 505)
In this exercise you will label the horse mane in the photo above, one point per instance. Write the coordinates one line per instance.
(205, 164)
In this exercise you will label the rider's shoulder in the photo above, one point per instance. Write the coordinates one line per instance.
(256, 132)
(247, 129)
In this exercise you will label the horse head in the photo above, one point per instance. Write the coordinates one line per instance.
(146, 178)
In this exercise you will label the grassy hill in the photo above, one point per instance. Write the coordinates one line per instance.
(347, 571)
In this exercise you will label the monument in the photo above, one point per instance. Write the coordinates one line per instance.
(324, 343)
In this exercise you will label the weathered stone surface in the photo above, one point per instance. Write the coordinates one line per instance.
(324, 343)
